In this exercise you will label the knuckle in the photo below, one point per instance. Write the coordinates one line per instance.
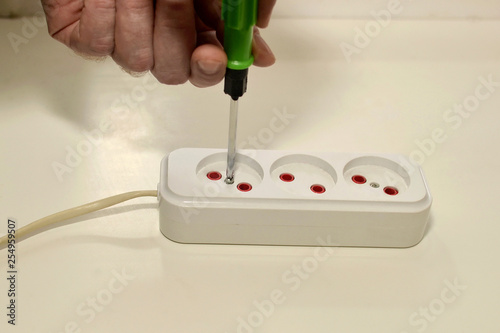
(176, 5)
(137, 5)
(101, 46)
(139, 66)
(141, 62)
(200, 83)
(104, 4)
(171, 78)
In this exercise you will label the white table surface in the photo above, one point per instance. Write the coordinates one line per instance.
(394, 93)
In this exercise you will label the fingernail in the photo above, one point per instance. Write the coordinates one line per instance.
(261, 48)
(262, 43)
(210, 67)
(264, 23)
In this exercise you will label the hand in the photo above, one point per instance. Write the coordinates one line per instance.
(177, 40)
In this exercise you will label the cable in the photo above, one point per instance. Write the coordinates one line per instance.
(50, 220)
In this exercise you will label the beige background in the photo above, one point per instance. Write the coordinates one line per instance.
(14, 8)
(390, 98)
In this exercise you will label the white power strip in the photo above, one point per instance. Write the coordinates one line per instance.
(293, 198)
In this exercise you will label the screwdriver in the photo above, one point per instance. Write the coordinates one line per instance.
(239, 18)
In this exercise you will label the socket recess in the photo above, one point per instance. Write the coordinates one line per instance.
(297, 173)
(293, 198)
(377, 175)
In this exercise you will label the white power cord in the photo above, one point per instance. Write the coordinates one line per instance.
(31, 228)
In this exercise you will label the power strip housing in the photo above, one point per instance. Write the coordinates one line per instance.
(293, 198)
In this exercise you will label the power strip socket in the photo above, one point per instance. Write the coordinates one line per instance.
(293, 198)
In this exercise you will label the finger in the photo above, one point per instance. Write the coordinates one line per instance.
(208, 62)
(209, 11)
(87, 29)
(263, 56)
(200, 26)
(174, 40)
(264, 12)
(134, 35)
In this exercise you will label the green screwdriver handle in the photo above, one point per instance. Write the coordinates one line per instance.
(239, 16)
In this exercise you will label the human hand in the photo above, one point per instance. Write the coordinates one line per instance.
(177, 40)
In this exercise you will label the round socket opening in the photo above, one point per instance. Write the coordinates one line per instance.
(391, 190)
(244, 187)
(214, 175)
(358, 179)
(316, 188)
(287, 177)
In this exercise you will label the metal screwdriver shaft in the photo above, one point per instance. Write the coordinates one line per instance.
(231, 144)
(239, 19)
